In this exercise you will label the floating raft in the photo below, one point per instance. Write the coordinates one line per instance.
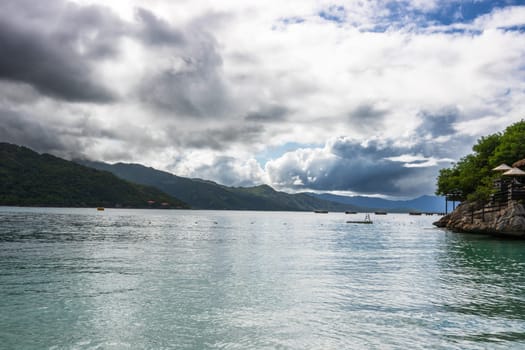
(367, 220)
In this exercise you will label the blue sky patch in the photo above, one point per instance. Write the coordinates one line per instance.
(292, 20)
(333, 13)
(518, 28)
(401, 14)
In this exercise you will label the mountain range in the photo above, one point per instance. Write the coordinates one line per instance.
(434, 204)
(203, 194)
(32, 179)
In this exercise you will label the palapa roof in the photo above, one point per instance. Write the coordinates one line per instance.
(514, 172)
(519, 164)
(502, 167)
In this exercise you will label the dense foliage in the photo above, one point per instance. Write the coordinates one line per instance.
(471, 177)
(32, 179)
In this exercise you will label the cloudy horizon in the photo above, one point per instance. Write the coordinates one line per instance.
(358, 97)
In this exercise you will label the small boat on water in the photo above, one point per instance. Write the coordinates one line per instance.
(380, 213)
(367, 220)
(321, 211)
(100, 208)
(350, 212)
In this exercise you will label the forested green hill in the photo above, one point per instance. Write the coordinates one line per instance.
(31, 179)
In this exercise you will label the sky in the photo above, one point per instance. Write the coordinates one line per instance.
(353, 97)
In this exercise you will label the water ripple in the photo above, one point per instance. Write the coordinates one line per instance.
(237, 280)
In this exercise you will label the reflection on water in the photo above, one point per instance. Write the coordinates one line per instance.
(77, 278)
(483, 278)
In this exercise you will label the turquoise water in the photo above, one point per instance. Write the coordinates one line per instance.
(146, 279)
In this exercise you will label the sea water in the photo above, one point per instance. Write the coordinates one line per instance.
(147, 279)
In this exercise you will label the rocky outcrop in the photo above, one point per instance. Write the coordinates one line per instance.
(508, 220)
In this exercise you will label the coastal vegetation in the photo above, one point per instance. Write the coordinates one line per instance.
(471, 178)
(33, 179)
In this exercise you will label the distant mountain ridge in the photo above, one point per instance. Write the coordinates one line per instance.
(424, 203)
(32, 179)
(203, 194)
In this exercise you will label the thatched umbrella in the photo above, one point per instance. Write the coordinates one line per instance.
(519, 164)
(502, 167)
(514, 172)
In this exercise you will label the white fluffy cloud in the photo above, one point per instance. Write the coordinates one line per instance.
(376, 95)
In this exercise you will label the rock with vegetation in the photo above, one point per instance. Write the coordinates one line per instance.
(471, 180)
(32, 179)
(474, 217)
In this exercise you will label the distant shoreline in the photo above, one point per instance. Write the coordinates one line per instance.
(200, 209)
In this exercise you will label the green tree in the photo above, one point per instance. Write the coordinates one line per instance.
(471, 176)
(511, 146)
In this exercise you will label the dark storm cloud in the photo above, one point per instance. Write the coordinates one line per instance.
(436, 124)
(154, 31)
(222, 138)
(372, 151)
(456, 147)
(440, 123)
(364, 176)
(372, 168)
(23, 129)
(68, 140)
(367, 117)
(53, 46)
(191, 84)
(72, 138)
(367, 113)
(351, 166)
(366, 169)
(273, 113)
(195, 91)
